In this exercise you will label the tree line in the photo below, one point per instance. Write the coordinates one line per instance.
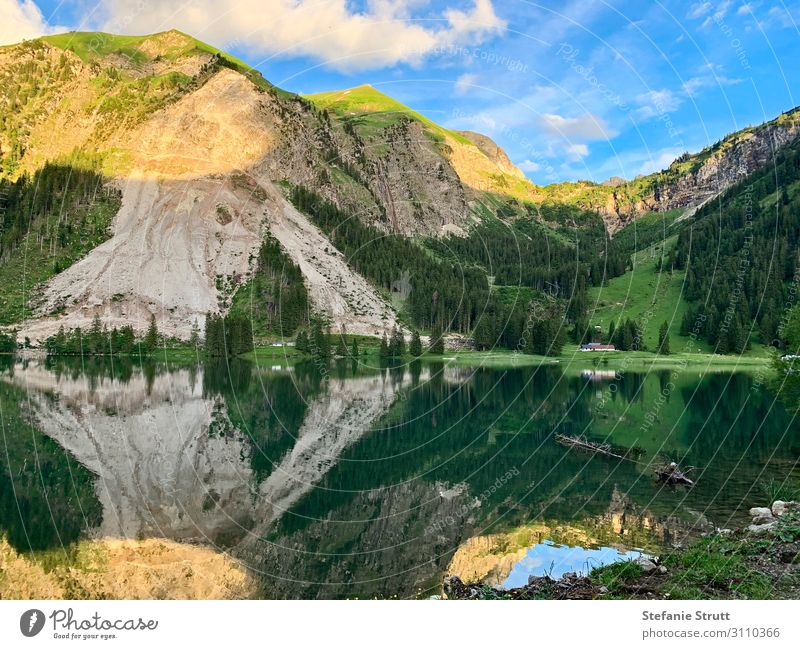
(99, 340)
(275, 298)
(740, 255)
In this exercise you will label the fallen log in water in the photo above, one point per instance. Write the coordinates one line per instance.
(671, 474)
(583, 444)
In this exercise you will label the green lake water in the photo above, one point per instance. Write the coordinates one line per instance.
(364, 482)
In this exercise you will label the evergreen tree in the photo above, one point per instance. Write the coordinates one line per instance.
(384, 352)
(194, 338)
(354, 348)
(415, 347)
(341, 347)
(320, 341)
(663, 339)
(437, 341)
(397, 344)
(301, 342)
(95, 339)
(151, 337)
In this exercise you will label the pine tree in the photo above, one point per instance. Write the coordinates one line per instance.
(415, 348)
(663, 339)
(687, 322)
(437, 341)
(383, 351)
(320, 342)
(354, 348)
(151, 337)
(341, 347)
(397, 345)
(95, 342)
(194, 338)
(301, 342)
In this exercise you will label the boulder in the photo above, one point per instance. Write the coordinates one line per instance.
(646, 564)
(763, 519)
(765, 528)
(760, 511)
(780, 507)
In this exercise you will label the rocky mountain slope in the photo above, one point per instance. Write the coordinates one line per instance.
(196, 141)
(204, 151)
(689, 182)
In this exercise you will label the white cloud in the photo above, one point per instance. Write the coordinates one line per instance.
(587, 126)
(783, 17)
(21, 19)
(465, 83)
(691, 86)
(383, 34)
(577, 151)
(698, 10)
(661, 160)
(529, 166)
(656, 103)
(710, 12)
(746, 9)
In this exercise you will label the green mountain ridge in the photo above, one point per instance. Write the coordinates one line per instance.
(166, 116)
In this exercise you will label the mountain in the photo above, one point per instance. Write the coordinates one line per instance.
(196, 142)
(181, 183)
(690, 181)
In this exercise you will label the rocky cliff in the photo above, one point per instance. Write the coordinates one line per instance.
(196, 141)
(689, 182)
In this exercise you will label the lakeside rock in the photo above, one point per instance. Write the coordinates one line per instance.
(765, 519)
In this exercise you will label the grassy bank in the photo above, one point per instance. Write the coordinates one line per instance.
(731, 565)
(607, 360)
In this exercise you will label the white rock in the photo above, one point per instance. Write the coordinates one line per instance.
(766, 528)
(646, 564)
(760, 511)
(778, 508)
(763, 519)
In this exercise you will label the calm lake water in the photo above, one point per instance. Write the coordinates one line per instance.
(376, 483)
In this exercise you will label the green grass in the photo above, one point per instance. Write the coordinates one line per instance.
(714, 568)
(380, 109)
(89, 46)
(645, 295)
(651, 297)
(723, 566)
(93, 47)
(607, 360)
(614, 574)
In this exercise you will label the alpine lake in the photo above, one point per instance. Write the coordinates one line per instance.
(355, 481)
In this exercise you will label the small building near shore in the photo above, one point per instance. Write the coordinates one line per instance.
(597, 347)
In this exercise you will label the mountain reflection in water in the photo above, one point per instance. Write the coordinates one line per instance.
(366, 482)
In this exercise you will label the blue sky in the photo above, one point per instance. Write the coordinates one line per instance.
(571, 90)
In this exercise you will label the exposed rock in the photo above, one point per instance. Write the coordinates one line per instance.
(647, 565)
(760, 511)
(780, 507)
(763, 519)
(569, 586)
(496, 154)
(766, 528)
